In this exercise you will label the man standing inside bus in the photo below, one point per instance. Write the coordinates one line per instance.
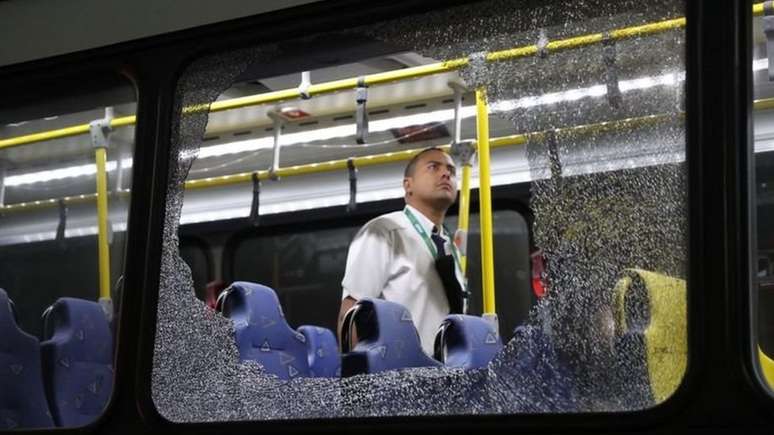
(408, 256)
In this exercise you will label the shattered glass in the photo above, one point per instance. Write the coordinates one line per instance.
(604, 199)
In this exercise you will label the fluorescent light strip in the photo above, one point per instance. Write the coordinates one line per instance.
(670, 79)
(59, 174)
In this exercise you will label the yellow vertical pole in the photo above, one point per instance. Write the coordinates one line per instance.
(485, 195)
(102, 223)
(464, 214)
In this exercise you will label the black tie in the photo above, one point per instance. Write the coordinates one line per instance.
(444, 264)
(439, 243)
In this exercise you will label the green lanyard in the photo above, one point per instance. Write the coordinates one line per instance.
(430, 245)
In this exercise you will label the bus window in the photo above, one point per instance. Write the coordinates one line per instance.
(763, 238)
(307, 139)
(65, 186)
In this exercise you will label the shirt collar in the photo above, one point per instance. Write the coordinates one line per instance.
(426, 223)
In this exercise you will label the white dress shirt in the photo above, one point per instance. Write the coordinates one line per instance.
(389, 259)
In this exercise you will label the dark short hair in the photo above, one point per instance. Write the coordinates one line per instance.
(412, 164)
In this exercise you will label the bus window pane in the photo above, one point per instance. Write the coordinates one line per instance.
(763, 157)
(62, 238)
(589, 277)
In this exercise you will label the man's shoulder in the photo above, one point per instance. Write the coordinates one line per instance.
(387, 222)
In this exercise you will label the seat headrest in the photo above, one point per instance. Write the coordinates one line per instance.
(467, 342)
(653, 306)
(261, 332)
(8, 313)
(255, 309)
(387, 339)
(82, 325)
(246, 300)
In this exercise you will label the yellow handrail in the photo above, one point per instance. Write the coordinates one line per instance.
(75, 130)
(103, 246)
(485, 202)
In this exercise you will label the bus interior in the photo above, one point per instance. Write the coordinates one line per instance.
(572, 210)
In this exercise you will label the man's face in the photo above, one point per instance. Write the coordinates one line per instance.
(434, 180)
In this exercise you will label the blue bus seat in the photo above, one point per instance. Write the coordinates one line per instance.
(467, 342)
(322, 352)
(387, 339)
(77, 361)
(261, 332)
(22, 398)
(538, 372)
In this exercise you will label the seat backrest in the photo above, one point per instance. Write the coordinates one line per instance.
(466, 342)
(536, 370)
(22, 398)
(652, 306)
(261, 332)
(77, 361)
(387, 339)
(322, 352)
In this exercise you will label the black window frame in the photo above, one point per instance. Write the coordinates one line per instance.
(720, 388)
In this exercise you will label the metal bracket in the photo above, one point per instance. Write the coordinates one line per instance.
(542, 44)
(3, 173)
(611, 71)
(100, 130)
(278, 124)
(107, 307)
(463, 152)
(303, 87)
(110, 232)
(361, 111)
(60, 228)
(680, 97)
(768, 30)
(553, 154)
(458, 89)
(477, 60)
(491, 318)
(254, 206)
(352, 206)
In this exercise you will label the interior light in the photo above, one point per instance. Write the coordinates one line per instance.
(62, 173)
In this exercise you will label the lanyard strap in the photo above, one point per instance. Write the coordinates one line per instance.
(430, 245)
